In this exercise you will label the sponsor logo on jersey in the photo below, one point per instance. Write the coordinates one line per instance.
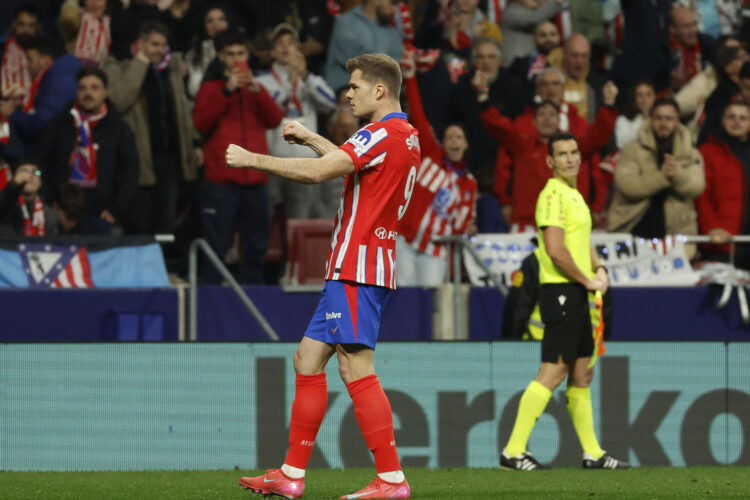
(364, 140)
(333, 315)
(382, 233)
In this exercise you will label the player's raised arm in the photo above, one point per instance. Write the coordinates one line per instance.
(335, 163)
(296, 133)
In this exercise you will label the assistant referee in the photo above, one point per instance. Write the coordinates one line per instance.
(568, 269)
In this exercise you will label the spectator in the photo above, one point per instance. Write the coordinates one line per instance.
(645, 48)
(87, 30)
(657, 178)
(342, 124)
(21, 206)
(689, 49)
(149, 92)
(730, 63)
(520, 19)
(528, 153)
(301, 95)
(546, 37)
(14, 73)
(636, 109)
(70, 208)
(464, 23)
(443, 197)
(233, 108)
(506, 93)
(550, 86)
(202, 52)
(90, 145)
(582, 85)
(52, 87)
(723, 206)
(366, 28)
(692, 96)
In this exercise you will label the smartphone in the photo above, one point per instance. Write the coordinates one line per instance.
(241, 66)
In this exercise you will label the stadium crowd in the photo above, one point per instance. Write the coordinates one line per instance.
(115, 115)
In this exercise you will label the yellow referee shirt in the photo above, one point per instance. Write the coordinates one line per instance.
(562, 206)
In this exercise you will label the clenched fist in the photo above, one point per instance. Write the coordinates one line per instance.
(237, 157)
(296, 133)
(610, 92)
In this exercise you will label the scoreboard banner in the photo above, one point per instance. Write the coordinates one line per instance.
(631, 261)
(138, 406)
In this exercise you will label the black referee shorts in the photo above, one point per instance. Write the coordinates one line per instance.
(567, 322)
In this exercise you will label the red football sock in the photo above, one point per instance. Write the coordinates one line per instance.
(373, 412)
(308, 410)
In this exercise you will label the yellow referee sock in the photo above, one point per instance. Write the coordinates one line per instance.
(582, 415)
(530, 408)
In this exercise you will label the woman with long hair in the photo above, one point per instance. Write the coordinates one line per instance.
(216, 18)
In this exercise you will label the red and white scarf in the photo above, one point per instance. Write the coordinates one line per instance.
(4, 130)
(334, 9)
(686, 63)
(32, 226)
(495, 11)
(402, 22)
(15, 72)
(28, 105)
(5, 176)
(94, 39)
(83, 158)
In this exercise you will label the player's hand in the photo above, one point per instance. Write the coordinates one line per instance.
(296, 133)
(237, 157)
(610, 92)
(596, 284)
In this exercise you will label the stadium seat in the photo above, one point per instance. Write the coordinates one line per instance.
(308, 241)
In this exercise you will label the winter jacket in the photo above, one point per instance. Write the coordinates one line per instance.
(529, 154)
(723, 203)
(241, 118)
(638, 177)
(355, 34)
(507, 94)
(518, 27)
(57, 88)
(693, 95)
(126, 79)
(116, 161)
(11, 216)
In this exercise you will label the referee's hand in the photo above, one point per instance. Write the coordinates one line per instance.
(596, 284)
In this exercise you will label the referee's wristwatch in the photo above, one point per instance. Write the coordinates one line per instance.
(600, 266)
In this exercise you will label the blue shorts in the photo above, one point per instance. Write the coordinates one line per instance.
(348, 314)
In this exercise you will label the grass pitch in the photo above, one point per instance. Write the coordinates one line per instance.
(639, 483)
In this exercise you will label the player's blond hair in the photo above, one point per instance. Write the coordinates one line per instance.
(378, 68)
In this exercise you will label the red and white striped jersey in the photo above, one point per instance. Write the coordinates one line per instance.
(376, 196)
(442, 204)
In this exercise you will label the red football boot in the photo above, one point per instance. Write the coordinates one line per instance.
(275, 482)
(379, 488)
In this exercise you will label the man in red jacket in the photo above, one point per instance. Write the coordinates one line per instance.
(722, 207)
(233, 108)
(528, 152)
